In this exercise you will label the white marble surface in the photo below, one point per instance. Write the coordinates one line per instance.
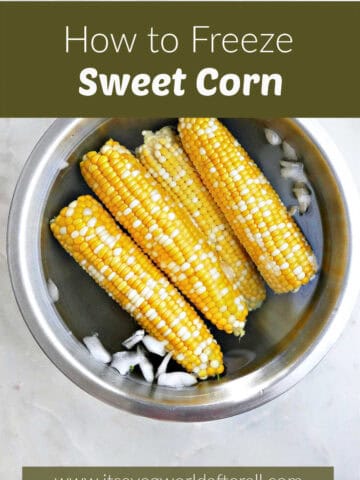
(47, 420)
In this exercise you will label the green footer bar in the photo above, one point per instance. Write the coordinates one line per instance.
(178, 473)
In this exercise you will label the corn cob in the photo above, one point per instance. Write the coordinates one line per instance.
(163, 156)
(90, 235)
(252, 207)
(165, 232)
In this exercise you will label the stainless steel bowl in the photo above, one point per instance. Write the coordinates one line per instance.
(285, 338)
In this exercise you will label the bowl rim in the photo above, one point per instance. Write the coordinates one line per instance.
(62, 348)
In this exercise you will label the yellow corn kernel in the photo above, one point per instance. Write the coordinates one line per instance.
(252, 207)
(163, 156)
(116, 263)
(166, 233)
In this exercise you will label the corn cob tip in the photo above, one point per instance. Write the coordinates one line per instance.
(113, 145)
(161, 136)
(147, 134)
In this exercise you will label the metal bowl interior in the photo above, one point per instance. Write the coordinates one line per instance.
(282, 336)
